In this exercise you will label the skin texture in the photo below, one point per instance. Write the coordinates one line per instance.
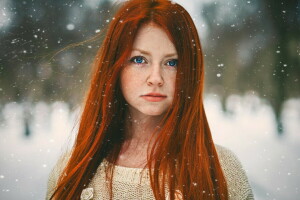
(153, 72)
(154, 75)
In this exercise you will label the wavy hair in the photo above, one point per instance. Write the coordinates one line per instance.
(184, 156)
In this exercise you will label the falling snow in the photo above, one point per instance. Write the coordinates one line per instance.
(70, 27)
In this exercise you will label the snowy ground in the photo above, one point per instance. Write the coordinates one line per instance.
(272, 163)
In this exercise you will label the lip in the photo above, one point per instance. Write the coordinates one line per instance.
(155, 94)
(154, 97)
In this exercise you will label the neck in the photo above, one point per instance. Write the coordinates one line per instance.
(138, 133)
(140, 128)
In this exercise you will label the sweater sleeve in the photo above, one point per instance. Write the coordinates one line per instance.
(235, 175)
(55, 173)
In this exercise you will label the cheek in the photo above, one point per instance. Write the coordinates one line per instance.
(124, 83)
(129, 83)
(172, 83)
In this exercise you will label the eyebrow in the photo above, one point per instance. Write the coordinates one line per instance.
(147, 53)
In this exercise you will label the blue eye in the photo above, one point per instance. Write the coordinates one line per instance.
(173, 62)
(138, 59)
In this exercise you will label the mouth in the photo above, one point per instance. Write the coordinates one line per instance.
(153, 98)
(152, 94)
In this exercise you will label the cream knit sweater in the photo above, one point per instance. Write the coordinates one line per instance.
(127, 185)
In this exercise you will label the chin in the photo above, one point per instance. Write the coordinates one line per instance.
(153, 112)
(147, 110)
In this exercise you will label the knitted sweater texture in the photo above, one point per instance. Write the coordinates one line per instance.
(128, 184)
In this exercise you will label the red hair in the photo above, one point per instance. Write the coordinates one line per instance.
(183, 156)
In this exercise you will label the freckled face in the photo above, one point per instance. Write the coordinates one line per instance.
(151, 68)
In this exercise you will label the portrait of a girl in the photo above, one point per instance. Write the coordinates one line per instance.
(143, 131)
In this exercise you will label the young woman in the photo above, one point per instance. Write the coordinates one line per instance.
(143, 132)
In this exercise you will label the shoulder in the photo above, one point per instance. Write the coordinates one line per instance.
(227, 157)
(55, 172)
(61, 163)
(235, 175)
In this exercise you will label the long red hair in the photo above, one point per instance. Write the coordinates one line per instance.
(183, 156)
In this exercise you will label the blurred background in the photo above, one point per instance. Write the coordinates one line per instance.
(252, 92)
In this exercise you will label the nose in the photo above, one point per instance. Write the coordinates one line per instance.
(155, 76)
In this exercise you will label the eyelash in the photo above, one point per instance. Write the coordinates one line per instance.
(133, 58)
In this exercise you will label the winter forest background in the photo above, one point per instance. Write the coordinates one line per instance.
(252, 92)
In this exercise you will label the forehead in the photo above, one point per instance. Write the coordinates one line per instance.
(152, 38)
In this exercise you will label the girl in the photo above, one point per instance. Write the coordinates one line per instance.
(143, 132)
